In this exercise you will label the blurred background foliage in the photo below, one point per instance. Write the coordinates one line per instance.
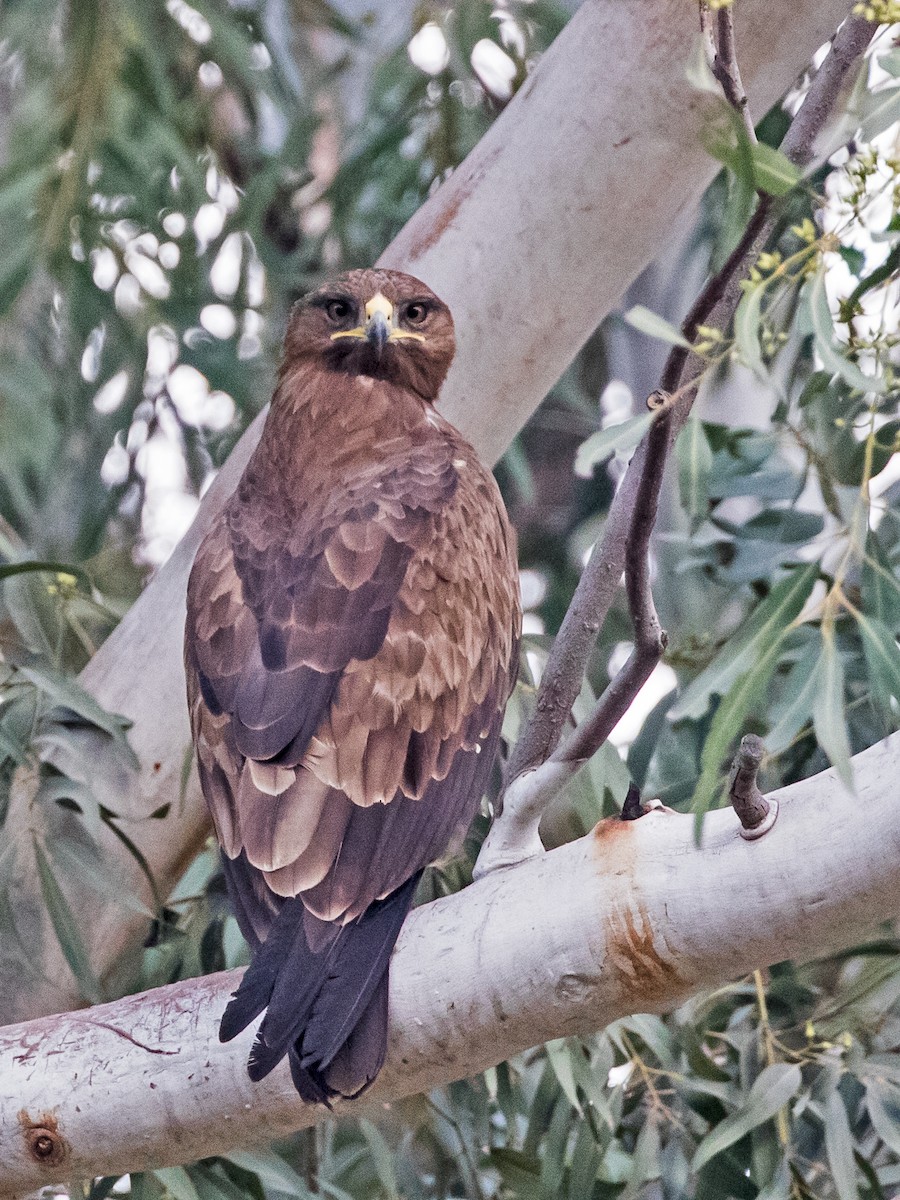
(172, 177)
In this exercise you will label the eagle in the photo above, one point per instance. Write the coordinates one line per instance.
(351, 641)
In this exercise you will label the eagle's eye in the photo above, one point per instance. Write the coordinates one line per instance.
(415, 313)
(337, 310)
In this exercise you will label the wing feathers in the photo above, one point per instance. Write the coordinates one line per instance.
(350, 647)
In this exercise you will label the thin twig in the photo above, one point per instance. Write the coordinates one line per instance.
(847, 48)
(633, 511)
(723, 62)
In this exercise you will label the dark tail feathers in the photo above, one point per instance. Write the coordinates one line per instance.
(324, 987)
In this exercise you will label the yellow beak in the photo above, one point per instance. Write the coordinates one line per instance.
(380, 327)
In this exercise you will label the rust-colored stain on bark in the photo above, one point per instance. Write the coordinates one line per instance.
(436, 218)
(612, 828)
(43, 1140)
(633, 949)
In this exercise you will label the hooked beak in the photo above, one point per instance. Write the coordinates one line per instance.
(378, 331)
(380, 327)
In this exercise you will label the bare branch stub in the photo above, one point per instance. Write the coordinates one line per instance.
(756, 813)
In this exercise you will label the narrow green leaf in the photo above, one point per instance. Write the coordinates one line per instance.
(66, 929)
(68, 694)
(773, 171)
(882, 658)
(747, 322)
(880, 587)
(584, 1165)
(83, 861)
(695, 460)
(11, 747)
(177, 1183)
(111, 819)
(826, 340)
(600, 445)
(8, 570)
(829, 721)
(382, 1159)
(890, 62)
(839, 1147)
(560, 1058)
(698, 71)
(272, 1170)
(878, 112)
(883, 1103)
(770, 620)
(779, 1186)
(646, 321)
(771, 1091)
(800, 689)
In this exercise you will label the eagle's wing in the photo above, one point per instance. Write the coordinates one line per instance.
(347, 679)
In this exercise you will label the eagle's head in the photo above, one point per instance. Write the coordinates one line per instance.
(375, 323)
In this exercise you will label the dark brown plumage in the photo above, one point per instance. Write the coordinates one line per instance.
(351, 642)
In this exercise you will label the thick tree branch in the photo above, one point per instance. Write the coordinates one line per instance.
(632, 918)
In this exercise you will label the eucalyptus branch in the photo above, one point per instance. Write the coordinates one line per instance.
(597, 929)
(722, 54)
(633, 510)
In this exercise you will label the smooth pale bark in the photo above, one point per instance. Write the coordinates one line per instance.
(531, 241)
(632, 918)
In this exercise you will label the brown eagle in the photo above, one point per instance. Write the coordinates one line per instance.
(352, 632)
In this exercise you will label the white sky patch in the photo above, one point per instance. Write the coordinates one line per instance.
(533, 624)
(209, 223)
(127, 296)
(174, 223)
(261, 57)
(250, 342)
(532, 588)
(113, 392)
(225, 273)
(104, 268)
(428, 49)
(218, 411)
(494, 68)
(194, 24)
(162, 354)
(188, 389)
(619, 1074)
(256, 279)
(616, 403)
(165, 519)
(219, 320)
(169, 255)
(148, 273)
(90, 359)
(122, 232)
(662, 680)
(210, 75)
(116, 465)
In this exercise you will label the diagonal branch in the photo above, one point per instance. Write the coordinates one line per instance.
(632, 515)
(599, 582)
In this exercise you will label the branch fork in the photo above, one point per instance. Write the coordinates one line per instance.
(756, 813)
(538, 766)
